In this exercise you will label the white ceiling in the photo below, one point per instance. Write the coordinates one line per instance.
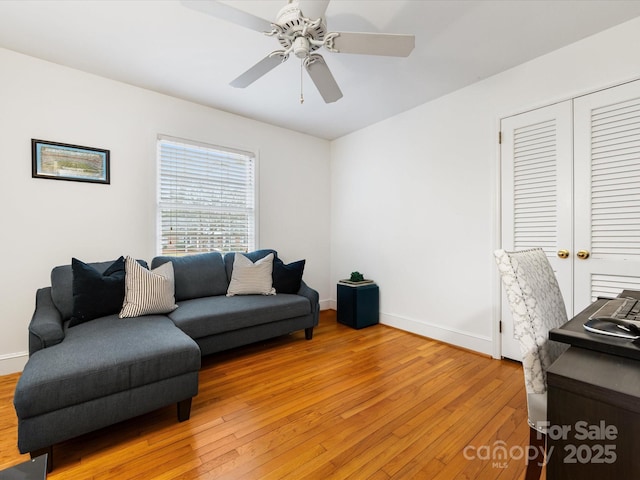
(163, 46)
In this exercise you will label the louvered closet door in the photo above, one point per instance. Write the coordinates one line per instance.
(607, 192)
(536, 188)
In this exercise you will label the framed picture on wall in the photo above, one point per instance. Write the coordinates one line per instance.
(61, 161)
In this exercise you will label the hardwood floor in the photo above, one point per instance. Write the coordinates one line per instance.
(376, 403)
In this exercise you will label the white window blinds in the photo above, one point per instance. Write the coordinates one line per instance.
(206, 198)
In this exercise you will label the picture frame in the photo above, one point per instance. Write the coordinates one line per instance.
(63, 161)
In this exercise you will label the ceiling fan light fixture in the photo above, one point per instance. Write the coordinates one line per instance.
(290, 25)
(301, 47)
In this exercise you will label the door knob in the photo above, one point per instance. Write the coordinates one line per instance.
(563, 253)
(583, 254)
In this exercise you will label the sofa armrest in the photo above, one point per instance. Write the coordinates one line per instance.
(314, 299)
(45, 328)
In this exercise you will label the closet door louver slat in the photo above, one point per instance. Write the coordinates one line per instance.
(615, 179)
(535, 186)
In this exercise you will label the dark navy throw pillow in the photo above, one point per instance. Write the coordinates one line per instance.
(287, 278)
(96, 294)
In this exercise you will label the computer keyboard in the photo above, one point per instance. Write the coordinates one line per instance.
(630, 310)
(620, 308)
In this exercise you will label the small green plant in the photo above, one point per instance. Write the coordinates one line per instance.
(356, 277)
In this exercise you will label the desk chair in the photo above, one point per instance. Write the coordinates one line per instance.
(537, 306)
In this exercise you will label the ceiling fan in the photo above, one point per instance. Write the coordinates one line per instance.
(301, 29)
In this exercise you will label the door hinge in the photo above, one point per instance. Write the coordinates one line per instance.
(499, 138)
(500, 326)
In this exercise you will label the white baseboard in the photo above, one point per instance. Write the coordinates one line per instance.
(327, 305)
(477, 343)
(459, 338)
(13, 362)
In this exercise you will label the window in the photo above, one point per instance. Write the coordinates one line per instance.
(206, 198)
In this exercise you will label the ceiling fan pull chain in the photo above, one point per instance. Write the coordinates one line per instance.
(301, 76)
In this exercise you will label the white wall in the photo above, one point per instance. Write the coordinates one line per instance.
(414, 198)
(45, 222)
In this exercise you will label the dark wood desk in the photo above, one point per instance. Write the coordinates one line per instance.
(573, 333)
(593, 405)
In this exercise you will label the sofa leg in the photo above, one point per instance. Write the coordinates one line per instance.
(48, 451)
(184, 410)
(308, 333)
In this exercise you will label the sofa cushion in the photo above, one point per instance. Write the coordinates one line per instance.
(201, 317)
(96, 294)
(62, 285)
(253, 256)
(103, 357)
(287, 278)
(148, 291)
(200, 275)
(249, 278)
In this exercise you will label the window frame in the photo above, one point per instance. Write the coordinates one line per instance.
(162, 205)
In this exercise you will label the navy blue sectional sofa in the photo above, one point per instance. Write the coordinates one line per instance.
(96, 373)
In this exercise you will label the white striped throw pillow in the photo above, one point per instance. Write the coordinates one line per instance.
(147, 291)
(249, 278)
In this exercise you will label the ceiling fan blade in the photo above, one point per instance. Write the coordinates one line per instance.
(313, 8)
(389, 44)
(229, 13)
(323, 79)
(264, 66)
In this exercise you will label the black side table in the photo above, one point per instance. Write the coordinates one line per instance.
(358, 304)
